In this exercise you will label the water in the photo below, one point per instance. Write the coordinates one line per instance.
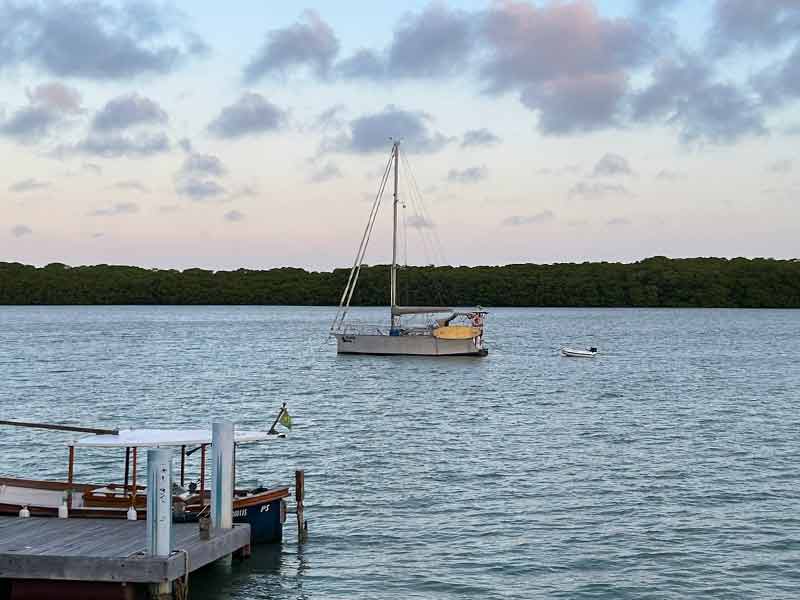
(666, 467)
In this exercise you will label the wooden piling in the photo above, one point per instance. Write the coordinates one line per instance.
(299, 493)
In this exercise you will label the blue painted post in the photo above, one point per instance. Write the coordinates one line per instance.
(159, 502)
(222, 475)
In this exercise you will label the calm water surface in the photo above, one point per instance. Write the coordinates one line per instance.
(667, 467)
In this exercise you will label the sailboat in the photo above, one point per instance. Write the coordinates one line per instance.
(445, 331)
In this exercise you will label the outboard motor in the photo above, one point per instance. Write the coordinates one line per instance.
(592, 349)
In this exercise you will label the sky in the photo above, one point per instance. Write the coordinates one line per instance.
(253, 134)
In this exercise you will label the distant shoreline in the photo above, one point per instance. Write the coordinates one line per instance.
(651, 283)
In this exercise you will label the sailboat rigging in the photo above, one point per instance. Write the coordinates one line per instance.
(458, 333)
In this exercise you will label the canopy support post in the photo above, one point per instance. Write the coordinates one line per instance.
(202, 474)
(127, 469)
(183, 463)
(133, 483)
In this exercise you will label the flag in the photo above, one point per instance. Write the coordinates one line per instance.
(286, 419)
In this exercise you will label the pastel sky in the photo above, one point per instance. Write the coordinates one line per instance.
(253, 134)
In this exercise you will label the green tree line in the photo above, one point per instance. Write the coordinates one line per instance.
(654, 282)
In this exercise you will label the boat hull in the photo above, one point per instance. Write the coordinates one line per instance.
(571, 353)
(263, 509)
(407, 345)
(266, 520)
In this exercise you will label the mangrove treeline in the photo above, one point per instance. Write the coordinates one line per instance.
(654, 282)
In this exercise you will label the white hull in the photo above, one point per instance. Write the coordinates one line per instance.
(409, 345)
(572, 353)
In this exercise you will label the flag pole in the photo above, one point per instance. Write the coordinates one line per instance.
(278, 418)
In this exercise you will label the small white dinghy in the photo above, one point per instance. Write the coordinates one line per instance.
(572, 352)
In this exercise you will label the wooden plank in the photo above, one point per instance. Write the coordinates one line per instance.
(201, 553)
(104, 550)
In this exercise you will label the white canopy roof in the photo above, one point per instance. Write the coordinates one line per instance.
(154, 438)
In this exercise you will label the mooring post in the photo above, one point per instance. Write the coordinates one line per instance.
(222, 475)
(159, 511)
(299, 492)
(159, 502)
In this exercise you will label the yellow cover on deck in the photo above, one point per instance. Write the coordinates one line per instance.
(456, 332)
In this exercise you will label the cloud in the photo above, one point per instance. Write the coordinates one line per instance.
(434, 43)
(591, 190)
(308, 43)
(203, 164)
(669, 176)
(612, 165)
(128, 111)
(93, 39)
(19, 231)
(780, 81)
(372, 133)
(198, 189)
(234, 216)
(116, 209)
(29, 124)
(251, 114)
(196, 177)
(565, 170)
(655, 8)
(780, 167)
(618, 221)
(92, 168)
(419, 222)
(577, 104)
(245, 191)
(363, 64)
(116, 146)
(57, 96)
(329, 118)
(49, 106)
(28, 185)
(577, 86)
(468, 175)
(132, 185)
(479, 137)
(753, 25)
(325, 173)
(543, 217)
(683, 94)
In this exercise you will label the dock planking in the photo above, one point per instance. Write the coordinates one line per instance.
(105, 550)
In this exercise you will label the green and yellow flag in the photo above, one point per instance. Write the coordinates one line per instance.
(286, 419)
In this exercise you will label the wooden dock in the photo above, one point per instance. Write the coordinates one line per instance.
(41, 554)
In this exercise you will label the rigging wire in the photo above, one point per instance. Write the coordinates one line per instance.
(435, 240)
(427, 247)
(355, 271)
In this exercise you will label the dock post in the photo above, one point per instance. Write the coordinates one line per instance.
(159, 511)
(299, 492)
(222, 475)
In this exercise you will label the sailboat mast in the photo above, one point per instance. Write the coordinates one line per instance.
(393, 293)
